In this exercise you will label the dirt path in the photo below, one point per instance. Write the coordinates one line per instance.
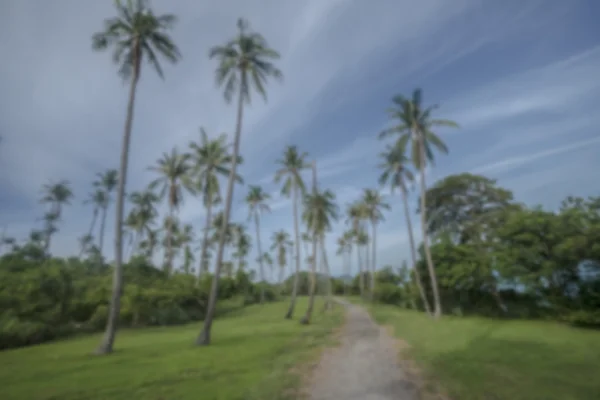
(364, 367)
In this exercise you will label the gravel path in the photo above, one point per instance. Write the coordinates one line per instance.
(364, 367)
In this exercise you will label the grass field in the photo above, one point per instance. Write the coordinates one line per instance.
(482, 359)
(253, 351)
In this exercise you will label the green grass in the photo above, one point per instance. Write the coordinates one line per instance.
(477, 359)
(251, 357)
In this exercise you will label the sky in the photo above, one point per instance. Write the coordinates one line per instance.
(519, 77)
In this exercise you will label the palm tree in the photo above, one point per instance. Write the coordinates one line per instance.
(56, 195)
(344, 243)
(266, 258)
(243, 243)
(374, 204)
(244, 62)
(211, 160)
(97, 198)
(142, 216)
(257, 203)
(182, 241)
(397, 175)
(355, 217)
(281, 244)
(136, 34)
(290, 168)
(414, 125)
(173, 170)
(106, 182)
(319, 212)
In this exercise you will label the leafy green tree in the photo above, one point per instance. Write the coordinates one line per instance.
(290, 170)
(396, 174)
(414, 124)
(245, 62)
(136, 34)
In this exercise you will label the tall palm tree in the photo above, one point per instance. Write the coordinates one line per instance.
(397, 175)
(97, 199)
(243, 243)
(414, 124)
(355, 217)
(173, 170)
(56, 195)
(344, 243)
(257, 203)
(290, 171)
(320, 210)
(142, 216)
(211, 160)
(106, 182)
(182, 241)
(374, 204)
(280, 244)
(136, 34)
(267, 259)
(245, 62)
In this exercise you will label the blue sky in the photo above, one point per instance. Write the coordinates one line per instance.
(520, 77)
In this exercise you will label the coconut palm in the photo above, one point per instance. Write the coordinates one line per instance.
(142, 216)
(242, 243)
(355, 213)
(267, 259)
(56, 195)
(136, 34)
(373, 205)
(257, 200)
(414, 125)
(106, 182)
(344, 249)
(211, 160)
(173, 170)
(97, 199)
(183, 239)
(290, 169)
(245, 62)
(320, 210)
(397, 175)
(280, 244)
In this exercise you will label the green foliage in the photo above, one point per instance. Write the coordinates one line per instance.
(42, 302)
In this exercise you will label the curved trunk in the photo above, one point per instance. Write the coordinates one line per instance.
(260, 259)
(205, 238)
(413, 252)
(290, 312)
(204, 336)
(106, 346)
(373, 260)
(437, 305)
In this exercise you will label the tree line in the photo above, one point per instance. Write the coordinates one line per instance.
(245, 64)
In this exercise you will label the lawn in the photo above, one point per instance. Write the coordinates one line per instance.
(477, 359)
(253, 352)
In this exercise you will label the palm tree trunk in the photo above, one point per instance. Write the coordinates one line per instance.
(106, 345)
(260, 259)
(290, 312)
(361, 276)
(313, 267)
(437, 310)
(204, 336)
(169, 263)
(373, 260)
(413, 252)
(329, 302)
(102, 228)
(205, 238)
